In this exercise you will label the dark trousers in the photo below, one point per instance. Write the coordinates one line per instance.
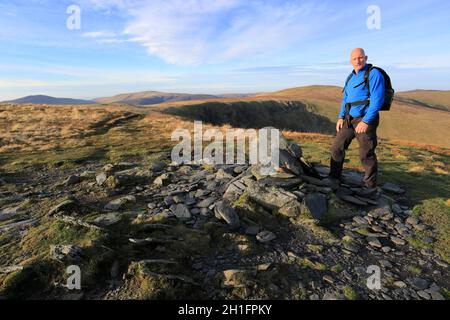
(367, 144)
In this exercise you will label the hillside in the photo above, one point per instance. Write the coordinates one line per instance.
(152, 97)
(94, 186)
(398, 124)
(42, 99)
(427, 98)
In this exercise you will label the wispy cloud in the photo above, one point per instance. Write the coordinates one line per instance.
(190, 32)
(99, 34)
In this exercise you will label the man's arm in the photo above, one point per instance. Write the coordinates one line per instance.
(376, 83)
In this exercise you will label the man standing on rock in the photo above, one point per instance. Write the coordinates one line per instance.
(359, 119)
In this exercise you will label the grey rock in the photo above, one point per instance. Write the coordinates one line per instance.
(352, 178)
(107, 219)
(317, 205)
(181, 211)
(118, 203)
(265, 236)
(412, 221)
(222, 174)
(396, 209)
(227, 213)
(360, 220)
(351, 247)
(9, 213)
(252, 230)
(436, 295)
(162, 180)
(398, 241)
(281, 182)
(424, 295)
(287, 161)
(272, 198)
(352, 199)
(157, 166)
(420, 227)
(374, 242)
(201, 193)
(64, 206)
(66, 253)
(383, 213)
(206, 202)
(71, 180)
(18, 225)
(391, 187)
(419, 283)
(400, 284)
(101, 178)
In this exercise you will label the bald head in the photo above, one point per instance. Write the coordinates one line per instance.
(358, 59)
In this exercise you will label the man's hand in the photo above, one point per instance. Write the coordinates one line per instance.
(339, 125)
(362, 127)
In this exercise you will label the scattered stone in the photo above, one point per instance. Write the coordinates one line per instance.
(9, 213)
(227, 213)
(398, 241)
(11, 269)
(65, 206)
(234, 277)
(162, 180)
(436, 295)
(374, 242)
(424, 295)
(400, 284)
(222, 174)
(101, 178)
(71, 180)
(206, 203)
(252, 230)
(351, 247)
(265, 236)
(420, 227)
(317, 205)
(352, 199)
(272, 198)
(419, 283)
(108, 219)
(157, 166)
(181, 211)
(328, 279)
(391, 187)
(263, 267)
(66, 253)
(412, 221)
(386, 249)
(118, 203)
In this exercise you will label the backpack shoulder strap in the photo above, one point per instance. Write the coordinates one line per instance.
(366, 76)
(346, 81)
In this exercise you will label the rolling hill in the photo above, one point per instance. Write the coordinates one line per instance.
(407, 121)
(436, 99)
(42, 99)
(155, 97)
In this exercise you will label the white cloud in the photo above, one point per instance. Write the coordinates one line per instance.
(99, 34)
(191, 32)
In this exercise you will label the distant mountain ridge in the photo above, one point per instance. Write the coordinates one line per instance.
(43, 99)
(156, 97)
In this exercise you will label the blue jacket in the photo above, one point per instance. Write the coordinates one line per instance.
(351, 94)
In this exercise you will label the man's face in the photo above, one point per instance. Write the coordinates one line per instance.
(358, 60)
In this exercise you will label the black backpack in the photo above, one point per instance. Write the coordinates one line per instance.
(388, 92)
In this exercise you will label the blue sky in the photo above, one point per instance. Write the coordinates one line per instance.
(220, 46)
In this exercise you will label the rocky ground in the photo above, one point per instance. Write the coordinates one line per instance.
(166, 231)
